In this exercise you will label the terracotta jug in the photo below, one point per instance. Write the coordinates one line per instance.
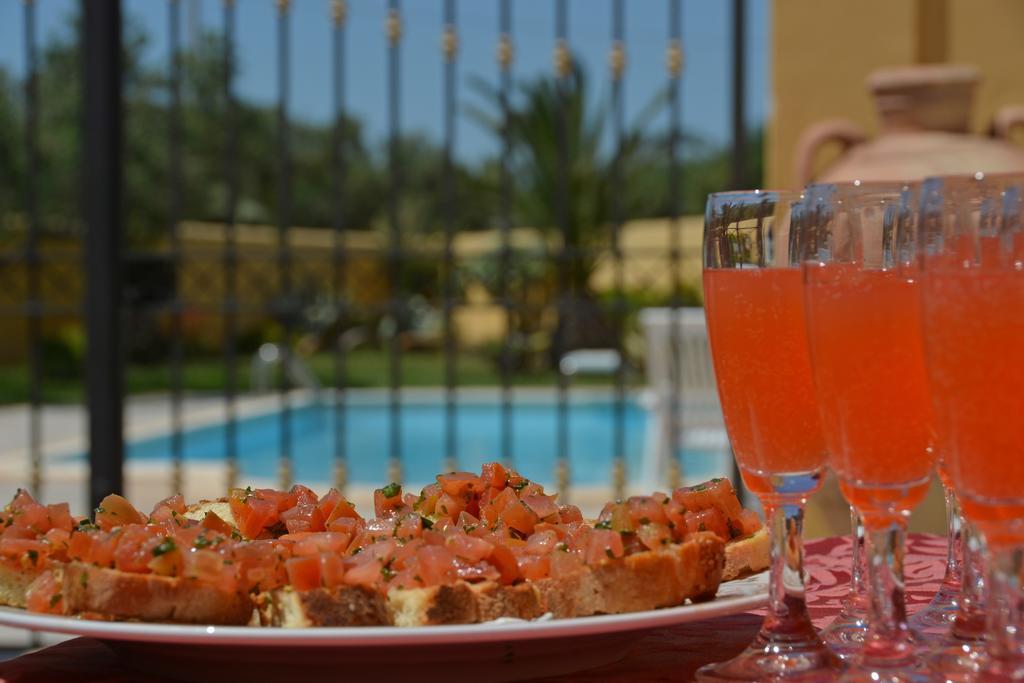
(924, 112)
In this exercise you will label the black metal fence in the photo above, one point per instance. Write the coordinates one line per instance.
(120, 271)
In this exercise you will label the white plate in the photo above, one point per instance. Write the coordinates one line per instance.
(519, 649)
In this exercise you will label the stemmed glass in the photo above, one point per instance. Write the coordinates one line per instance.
(845, 633)
(755, 316)
(863, 327)
(973, 295)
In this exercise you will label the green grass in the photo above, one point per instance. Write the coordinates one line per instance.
(365, 368)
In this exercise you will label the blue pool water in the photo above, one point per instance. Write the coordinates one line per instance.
(478, 427)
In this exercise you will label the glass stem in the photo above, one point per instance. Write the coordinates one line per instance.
(787, 609)
(888, 642)
(1005, 609)
(970, 617)
(858, 565)
(955, 548)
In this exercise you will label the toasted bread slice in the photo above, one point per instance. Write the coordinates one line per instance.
(146, 597)
(14, 582)
(748, 555)
(647, 580)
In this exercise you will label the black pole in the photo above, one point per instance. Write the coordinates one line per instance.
(739, 77)
(102, 209)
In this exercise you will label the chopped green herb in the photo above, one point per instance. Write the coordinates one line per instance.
(236, 535)
(55, 599)
(33, 555)
(166, 546)
(83, 578)
(202, 541)
(86, 525)
(608, 552)
(391, 490)
(100, 510)
(427, 524)
(700, 487)
(606, 524)
(564, 547)
(357, 550)
(418, 578)
(521, 485)
(644, 520)
(702, 527)
(470, 528)
(387, 572)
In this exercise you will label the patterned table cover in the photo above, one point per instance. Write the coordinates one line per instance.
(668, 654)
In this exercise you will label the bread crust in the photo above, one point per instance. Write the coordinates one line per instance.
(146, 597)
(745, 556)
(14, 583)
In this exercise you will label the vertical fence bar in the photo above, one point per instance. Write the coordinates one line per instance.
(505, 55)
(35, 303)
(449, 45)
(617, 65)
(394, 33)
(102, 186)
(173, 215)
(674, 66)
(230, 255)
(569, 251)
(286, 305)
(739, 78)
(339, 11)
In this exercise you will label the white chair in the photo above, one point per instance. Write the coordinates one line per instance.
(682, 354)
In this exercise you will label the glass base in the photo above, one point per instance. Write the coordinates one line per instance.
(807, 661)
(936, 619)
(845, 634)
(918, 674)
(957, 661)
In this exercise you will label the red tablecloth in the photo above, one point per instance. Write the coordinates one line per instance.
(656, 657)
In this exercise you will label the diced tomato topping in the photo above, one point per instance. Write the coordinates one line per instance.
(541, 543)
(168, 509)
(328, 502)
(323, 542)
(428, 499)
(716, 493)
(437, 565)
(60, 516)
(387, 499)
(332, 570)
(534, 567)
(115, 511)
(646, 509)
(213, 522)
(542, 506)
(254, 514)
(448, 506)
(564, 563)
(469, 547)
(519, 517)
(604, 544)
(460, 485)
(504, 499)
(364, 572)
(298, 494)
(504, 560)
(749, 522)
(44, 595)
(710, 519)
(304, 572)
(305, 516)
(569, 513)
(654, 535)
(494, 475)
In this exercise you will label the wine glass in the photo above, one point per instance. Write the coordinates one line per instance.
(864, 333)
(973, 295)
(754, 309)
(845, 633)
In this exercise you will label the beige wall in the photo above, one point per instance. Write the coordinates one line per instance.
(822, 50)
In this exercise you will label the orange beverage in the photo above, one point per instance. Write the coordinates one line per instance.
(759, 347)
(865, 339)
(975, 341)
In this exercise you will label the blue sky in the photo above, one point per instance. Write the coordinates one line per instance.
(706, 44)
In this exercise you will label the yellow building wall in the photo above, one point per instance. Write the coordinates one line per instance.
(823, 50)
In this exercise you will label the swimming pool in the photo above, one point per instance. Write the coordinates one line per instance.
(422, 424)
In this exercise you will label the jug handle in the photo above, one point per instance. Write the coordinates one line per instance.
(1006, 119)
(812, 139)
